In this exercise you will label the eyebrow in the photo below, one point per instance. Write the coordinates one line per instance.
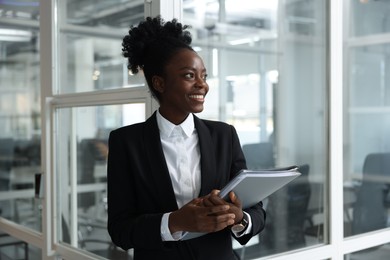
(192, 68)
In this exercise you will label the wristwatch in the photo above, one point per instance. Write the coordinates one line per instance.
(239, 227)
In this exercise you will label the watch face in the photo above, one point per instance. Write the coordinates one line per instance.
(238, 228)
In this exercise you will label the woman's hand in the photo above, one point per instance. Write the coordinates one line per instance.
(195, 217)
(235, 204)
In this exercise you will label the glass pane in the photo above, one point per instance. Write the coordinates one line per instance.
(89, 63)
(367, 121)
(380, 252)
(114, 14)
(21, 10)
(368, 17)
(368, 154)
(20, 121)
(81, 149)
(268, 79)
(244, 23)
(12, 248)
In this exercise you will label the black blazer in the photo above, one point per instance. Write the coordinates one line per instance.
(140, 190)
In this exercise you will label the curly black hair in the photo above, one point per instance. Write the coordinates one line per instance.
(150, 45)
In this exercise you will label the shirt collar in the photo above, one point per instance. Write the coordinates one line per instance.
(166, 127)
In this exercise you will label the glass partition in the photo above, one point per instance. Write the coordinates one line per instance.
(20, 121)
(368, 18)
(113, 14)
(374, 253)
(93, 63)
(81, 153)
(267, 77)
(20, 10)
(367, 120)
(90, 56)
(12, 248)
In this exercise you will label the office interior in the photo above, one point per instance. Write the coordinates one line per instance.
(304, 82)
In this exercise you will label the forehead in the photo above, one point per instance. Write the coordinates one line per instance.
(186, 58)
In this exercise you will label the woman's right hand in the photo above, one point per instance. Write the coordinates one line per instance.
(195, 217)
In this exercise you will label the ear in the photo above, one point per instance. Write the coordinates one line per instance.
(158, 83)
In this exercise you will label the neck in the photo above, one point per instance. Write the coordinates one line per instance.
(174, 118)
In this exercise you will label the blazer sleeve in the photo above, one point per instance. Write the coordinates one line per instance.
(128, 227)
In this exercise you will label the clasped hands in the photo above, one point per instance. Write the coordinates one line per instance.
(207, 214)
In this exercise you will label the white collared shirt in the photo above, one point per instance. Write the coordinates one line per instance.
(182, 155)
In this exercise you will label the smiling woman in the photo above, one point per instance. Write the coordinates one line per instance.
(184, 87)
(164, 174)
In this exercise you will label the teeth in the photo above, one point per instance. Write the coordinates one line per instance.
(196, 96)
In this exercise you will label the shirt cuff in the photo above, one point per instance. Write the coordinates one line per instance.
(248, 228)
(166, 233)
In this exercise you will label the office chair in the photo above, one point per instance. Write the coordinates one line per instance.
(370, 208)
(20, 250)
(6, 160)
(94, 243)
(259, 155)
(89, 156)
(286, 213)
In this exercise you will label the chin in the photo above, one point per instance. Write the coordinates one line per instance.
(197, 110)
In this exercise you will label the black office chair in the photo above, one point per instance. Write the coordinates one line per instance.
(259, 155)
(370, 208)
(6, 160)
(20, 248)
(286, 213)
(89, 155)
(95, 243)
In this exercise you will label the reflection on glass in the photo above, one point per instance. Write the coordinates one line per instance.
(20, 117)
(380, 252)
(82, 150)
(368, 17)
(267, 77)
(91, 63)
(367, 178)
(104, 14)
(12, 248)
(243, 23)
(21, 10)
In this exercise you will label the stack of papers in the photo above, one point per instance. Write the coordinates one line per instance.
(253, 186)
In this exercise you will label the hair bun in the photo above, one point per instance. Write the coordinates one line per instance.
(150, 34)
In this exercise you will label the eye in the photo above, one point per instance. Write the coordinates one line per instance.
(205, 77)
(189, 75)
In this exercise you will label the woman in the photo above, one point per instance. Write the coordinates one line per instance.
(164, 174)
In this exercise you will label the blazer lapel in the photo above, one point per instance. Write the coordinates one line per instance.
(207, 161)
(159, 174)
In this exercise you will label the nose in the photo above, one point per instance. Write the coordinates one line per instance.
(201, 82)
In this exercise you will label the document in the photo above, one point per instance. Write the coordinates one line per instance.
(253, 186)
